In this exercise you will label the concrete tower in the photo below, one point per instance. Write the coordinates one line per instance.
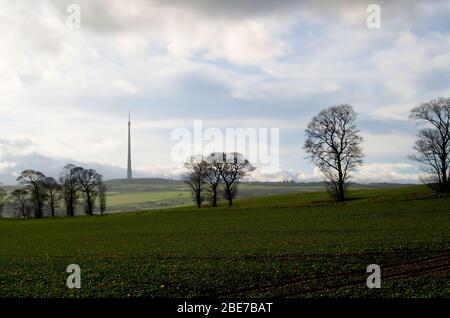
(129, 172)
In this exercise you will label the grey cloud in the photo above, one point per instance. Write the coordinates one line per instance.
(112, 16)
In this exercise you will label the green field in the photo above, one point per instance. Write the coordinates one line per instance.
(290, 245)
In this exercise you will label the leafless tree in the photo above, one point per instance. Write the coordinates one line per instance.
(34, 181)
(20, 199)
(233, 168)
(334, 145)
(53, 190)
(195, 178)
(212, 177)
(102, 197)
(433, 142)
(88, 180)
(70, 188)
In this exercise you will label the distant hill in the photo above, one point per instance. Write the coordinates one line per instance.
(151, 183)
(156, 193)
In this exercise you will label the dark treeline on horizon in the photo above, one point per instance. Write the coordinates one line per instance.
(40, 196)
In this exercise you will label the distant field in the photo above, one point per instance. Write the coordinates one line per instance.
(156, 193)
(290, 245)
(146, 194)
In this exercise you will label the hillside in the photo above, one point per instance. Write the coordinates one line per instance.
(290, 245)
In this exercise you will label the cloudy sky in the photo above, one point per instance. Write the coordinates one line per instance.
(65, 92)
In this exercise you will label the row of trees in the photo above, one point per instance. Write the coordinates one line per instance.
(218, 172)
(334, 145)
(39, 193)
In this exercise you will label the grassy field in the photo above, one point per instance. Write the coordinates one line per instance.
(290, 245)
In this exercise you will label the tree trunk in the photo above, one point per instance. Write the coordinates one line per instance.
(229, 195)
(69, 209)
(340, 195)
(24, 214)
(445, 182)
(89, 204)
(214, 197)
(38, 213)
(198, 199)
(70, 205)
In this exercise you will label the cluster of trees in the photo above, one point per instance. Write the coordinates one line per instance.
(218, 172)
(39, 194)
(334, 145)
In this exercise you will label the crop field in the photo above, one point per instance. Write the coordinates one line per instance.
(288, 245)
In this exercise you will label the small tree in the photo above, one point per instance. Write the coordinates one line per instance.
(233, 168)
(20, 199)
(70, 188)
(102, 197)
(334, 145)
(433, 142)
(89, 181)
(195, 178)
(34, 181)
(53, 190)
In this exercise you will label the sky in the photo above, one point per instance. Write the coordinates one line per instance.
(65, 92)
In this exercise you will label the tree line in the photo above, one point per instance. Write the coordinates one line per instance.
(39, 195)
(334, 144)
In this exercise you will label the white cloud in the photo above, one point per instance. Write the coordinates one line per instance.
(56, 84)
(368, 173)
(387, 172)
(385, 145)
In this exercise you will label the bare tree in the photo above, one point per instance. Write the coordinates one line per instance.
(334, 145)
(433, 142)
(233, 168)
(195, 178)
(88, 180)
(212, 177)
(20, 200)
(34, 181)
(53, 190)
(102, 197)
(70, 188)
